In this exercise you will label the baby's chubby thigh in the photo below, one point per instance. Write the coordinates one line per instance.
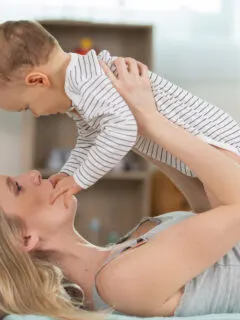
(214, 202)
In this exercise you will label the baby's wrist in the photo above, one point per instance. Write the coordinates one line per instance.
(65, 174)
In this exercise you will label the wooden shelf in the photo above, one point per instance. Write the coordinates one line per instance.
(120, 199)
(127, 40)
(67, 23)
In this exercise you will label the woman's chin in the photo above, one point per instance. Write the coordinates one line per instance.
(66, 215)
(73, 203)
(69, 210)
(72, 206)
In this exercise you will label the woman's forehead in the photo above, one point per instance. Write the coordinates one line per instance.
(6, 191)
(3, 182)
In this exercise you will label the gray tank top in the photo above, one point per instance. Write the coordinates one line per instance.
(215, 290)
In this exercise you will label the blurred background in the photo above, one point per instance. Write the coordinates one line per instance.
(194, 43)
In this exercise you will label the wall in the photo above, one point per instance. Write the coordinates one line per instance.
(209, 70)
(201, 52)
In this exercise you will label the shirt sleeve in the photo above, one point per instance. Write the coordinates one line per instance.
(116, 138)
(78, 154)
(108, 122)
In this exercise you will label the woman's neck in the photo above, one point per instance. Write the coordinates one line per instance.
(79, 260)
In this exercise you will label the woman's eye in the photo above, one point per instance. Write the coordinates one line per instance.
(19, 188)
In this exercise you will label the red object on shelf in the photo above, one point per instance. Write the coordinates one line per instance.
(81, 51)
(86, 45)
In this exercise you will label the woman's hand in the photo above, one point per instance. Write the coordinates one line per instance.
(134, 86)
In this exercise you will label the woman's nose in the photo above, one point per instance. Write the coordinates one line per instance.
(36, 177)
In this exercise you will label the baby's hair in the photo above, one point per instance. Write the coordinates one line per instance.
(23, 44)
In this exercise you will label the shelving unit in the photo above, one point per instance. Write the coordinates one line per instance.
(119, 39)
(120, 199)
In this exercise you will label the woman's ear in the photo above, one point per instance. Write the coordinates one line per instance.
(30, 241)
(37, 79)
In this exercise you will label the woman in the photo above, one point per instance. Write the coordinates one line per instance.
(182, 266)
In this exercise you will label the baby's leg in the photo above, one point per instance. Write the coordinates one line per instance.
(199, 197)
(191, 188)
(214, 202)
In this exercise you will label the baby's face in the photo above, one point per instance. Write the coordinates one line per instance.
(39, 99)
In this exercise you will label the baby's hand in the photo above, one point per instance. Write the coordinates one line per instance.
(66, 186)
(55, 178)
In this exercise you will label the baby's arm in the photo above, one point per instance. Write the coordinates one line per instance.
(63, 182)
(116, 138)
(92, 158)
(107, 130)
(106, 121)
(78, 154)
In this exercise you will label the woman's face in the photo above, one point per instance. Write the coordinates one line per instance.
(27, 196)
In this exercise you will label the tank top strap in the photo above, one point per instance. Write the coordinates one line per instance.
(133, 244)
(162, 222)
(156, 219)
(146, 236)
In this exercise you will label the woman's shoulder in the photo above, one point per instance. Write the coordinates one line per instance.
(131, 283)
(135, 276)
(118, 282)
(135, 248)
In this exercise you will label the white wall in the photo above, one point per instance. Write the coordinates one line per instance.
(209, 70)
(201, 52)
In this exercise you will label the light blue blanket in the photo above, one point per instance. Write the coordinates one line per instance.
(230, 316)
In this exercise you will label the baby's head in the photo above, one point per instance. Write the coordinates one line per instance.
(32, 69)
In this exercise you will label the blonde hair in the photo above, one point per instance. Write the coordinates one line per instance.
(23, 44)
(28, 283)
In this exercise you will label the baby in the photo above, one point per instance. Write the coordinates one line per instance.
(36, 74)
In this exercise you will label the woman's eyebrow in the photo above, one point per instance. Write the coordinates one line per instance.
(10, 184)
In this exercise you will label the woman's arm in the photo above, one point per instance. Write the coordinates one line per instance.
(219, 173)
(155, 271)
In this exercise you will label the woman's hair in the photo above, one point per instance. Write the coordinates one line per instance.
(29, 284)
(23, 44)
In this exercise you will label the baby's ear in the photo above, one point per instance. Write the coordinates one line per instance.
(37, 79)
(30, 241)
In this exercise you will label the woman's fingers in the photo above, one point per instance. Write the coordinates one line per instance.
(134, 86)
(143, 70)
(132, 66)
(125, 67)
(108, 72)
(122, 68)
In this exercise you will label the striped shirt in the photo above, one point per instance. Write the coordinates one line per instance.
(107, 130)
